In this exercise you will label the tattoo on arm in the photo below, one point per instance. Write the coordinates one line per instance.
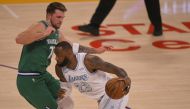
(98, 64)
(86, 49)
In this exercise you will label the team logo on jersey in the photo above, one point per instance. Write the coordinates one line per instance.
(47, 107)
(76, 78)
(33, 80)
(52, 41)
(83, 87)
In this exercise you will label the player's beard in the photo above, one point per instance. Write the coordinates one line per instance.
(53, 25)
(64, 63)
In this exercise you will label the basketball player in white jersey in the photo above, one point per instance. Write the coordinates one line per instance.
(89, 74)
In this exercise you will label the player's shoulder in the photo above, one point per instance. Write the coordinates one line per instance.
(90, 61)
(93, 59)
(42, 24)
(61, 33)
(37, 25)
(90, 56)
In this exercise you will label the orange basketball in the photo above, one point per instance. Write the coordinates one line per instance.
(115, 88)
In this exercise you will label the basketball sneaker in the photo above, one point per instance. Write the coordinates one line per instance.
(127, 107)
(158, 31)
(89, 29)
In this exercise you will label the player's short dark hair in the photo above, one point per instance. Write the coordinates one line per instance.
(55, 5)
(64, 45)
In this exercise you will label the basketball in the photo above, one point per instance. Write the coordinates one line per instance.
(115, 88)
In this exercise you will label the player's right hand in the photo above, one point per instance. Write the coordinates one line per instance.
(48, 31)
(103, 49)
(128, 85)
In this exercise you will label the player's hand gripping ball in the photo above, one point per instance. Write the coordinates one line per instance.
(116, 88)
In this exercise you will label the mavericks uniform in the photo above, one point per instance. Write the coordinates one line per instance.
(34, 83)
(92, 84)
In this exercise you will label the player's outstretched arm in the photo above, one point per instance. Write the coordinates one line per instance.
(96, 63)
(80, 48)
(92, 50)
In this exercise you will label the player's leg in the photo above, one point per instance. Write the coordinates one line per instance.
(124, 102)
(54, 86)
(36, 92)
(104, 102)
(65, 103)
(103, 9)
(153, 9)
(108, 103)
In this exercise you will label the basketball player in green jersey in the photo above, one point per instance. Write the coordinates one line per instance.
(34, 82)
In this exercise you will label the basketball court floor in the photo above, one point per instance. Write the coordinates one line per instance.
(158, 66)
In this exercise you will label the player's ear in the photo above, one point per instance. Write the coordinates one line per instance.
(48, 16)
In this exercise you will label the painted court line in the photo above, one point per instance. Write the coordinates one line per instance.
(10, 11)
(10, 67)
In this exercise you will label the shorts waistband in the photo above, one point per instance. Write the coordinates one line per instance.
(28, 74)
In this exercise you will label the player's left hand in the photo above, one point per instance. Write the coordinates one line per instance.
(103, 49)
(61, 93)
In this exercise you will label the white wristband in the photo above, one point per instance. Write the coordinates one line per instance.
(75, 48)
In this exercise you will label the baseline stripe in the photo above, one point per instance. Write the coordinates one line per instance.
(10, 67)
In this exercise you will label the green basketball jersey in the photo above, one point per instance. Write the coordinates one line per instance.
(36, 57)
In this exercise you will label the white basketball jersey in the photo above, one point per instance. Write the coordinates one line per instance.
(90, 84)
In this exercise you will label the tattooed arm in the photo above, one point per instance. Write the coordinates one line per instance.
(66, 88)
(59, 73)
(95, 63)
(92, 50)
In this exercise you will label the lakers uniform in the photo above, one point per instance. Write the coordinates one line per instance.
(92, 84)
